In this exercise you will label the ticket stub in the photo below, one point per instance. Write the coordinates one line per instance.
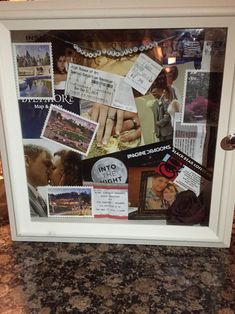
(99, 86)
(124, 98)
(143, 73)
(91, 84)
(110, 201)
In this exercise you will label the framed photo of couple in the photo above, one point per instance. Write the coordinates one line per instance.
(157, 194)
(112, 118)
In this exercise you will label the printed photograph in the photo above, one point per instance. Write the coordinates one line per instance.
(164, 199)
(46, 164)
(70, 202)
(70, 130)
(34, 70)
(107, 141)
(158, 108)
(177, 187)
(202, 97)
(158, 192)
(33, 113)
(150, 194)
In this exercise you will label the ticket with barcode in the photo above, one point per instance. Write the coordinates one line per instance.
(91, 84)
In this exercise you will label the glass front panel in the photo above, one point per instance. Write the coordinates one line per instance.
(120, 124)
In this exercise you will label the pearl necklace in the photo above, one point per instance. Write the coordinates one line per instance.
(115, 53)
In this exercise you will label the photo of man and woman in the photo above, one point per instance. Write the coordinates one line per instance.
(48, 165)
(155, 196)
(157, 193)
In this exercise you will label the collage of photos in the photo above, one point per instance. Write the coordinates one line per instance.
(117, 123)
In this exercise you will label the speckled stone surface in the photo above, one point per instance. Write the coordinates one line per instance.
(106, 278)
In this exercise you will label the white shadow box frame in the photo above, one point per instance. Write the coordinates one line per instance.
(105, 14)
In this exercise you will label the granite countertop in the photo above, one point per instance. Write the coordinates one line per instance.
(110, 278)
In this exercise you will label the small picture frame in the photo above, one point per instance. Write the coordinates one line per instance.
(151, 204)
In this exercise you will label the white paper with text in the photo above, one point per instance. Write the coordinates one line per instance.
(143, 73)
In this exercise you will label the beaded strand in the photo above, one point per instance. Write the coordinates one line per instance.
(116, 53)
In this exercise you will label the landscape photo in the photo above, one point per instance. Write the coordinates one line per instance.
(70, 202)
(34, 70)
(69, 129)
(202, 97)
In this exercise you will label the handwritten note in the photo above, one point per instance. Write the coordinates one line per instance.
(143, 73)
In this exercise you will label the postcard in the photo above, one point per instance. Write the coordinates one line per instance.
(70, 201)
(202, 97)
(34, 70)
(69, 129)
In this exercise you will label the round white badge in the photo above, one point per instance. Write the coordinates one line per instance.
(109, 170)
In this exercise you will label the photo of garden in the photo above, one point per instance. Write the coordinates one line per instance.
(69, 129)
